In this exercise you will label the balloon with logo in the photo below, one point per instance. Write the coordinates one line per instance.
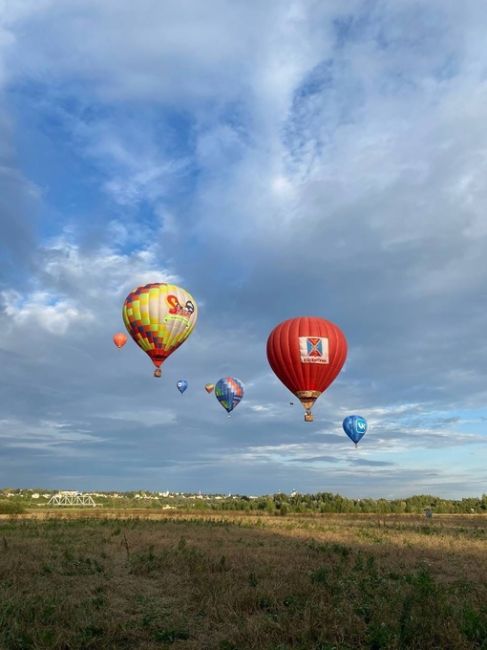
(229, 391)
(159, 317)
(209, 388)
(120, 339)
(355, 426)
(182, 384)
(306, 354)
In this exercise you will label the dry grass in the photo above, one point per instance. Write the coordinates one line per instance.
(228, 582)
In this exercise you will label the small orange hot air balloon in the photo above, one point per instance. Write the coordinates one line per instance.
(119, 339)
(209, 387)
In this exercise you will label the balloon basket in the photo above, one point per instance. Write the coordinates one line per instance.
(157, 372)
(308, 417)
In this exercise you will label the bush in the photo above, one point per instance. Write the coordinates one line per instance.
(11, 508)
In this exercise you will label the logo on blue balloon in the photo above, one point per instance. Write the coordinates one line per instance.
(355, 426)
(361, 425)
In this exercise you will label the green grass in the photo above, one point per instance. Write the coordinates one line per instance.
(11, 508)
(227, 584)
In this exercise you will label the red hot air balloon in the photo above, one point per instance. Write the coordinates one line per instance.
(119, 339)
(307, 354)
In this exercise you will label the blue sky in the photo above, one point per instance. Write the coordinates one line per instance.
(277, 159)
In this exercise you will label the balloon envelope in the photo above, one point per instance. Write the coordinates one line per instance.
(355, 426)
(229, 391)
(182, 385)
(159, 317)
(209, 387)
(120, 339)
(307, 353)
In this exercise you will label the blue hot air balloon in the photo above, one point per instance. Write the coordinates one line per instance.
(182, 385)
(355, 426)
(229, 391)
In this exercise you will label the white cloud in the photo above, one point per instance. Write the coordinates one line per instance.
(44, 310)
(101, 272)
(77, 287)
(151, 417)
(169, 52)
(47, 436)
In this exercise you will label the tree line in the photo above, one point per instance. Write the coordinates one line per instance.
(326, 502)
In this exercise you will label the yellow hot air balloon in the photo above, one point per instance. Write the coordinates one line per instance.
(159, 317)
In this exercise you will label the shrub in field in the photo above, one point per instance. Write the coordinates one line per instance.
(11, 508)
(146, 562)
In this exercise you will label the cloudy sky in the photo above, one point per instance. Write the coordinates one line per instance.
(276, 158)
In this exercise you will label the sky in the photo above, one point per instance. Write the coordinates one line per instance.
(276, 158)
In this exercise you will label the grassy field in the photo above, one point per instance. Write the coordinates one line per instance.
(235, 582)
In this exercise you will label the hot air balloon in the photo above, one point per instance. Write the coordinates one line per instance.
(159, 317)
(182, 385)
(355, 426)
(120, 339)
(209, 388)
(229, 391)
(307, 354)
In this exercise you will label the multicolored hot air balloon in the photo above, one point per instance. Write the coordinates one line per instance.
(229, 391)
(307, 354)
(159, 317)
(209, 388)
(120, 339)
(182, 385)
(355, 426)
